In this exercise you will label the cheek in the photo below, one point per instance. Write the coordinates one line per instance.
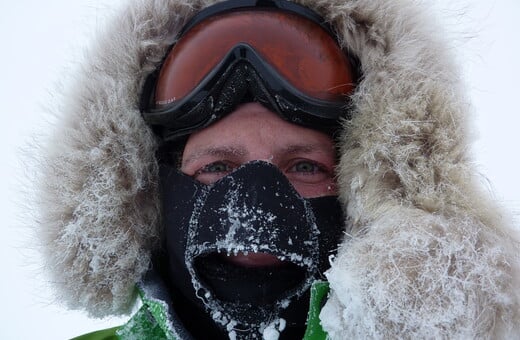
(312, 190)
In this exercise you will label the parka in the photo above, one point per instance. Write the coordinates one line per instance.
(427, 252)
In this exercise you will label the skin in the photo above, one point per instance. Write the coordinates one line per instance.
(252, 132)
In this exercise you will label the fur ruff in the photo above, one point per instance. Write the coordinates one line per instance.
(427, 253)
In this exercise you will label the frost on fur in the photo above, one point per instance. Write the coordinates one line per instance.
(414, 275)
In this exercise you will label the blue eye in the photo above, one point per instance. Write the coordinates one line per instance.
(306, 166)
(216, 167)
(212, 172)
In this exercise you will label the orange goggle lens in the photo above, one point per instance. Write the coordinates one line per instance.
(300, 50)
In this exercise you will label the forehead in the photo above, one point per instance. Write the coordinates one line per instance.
(253, 128)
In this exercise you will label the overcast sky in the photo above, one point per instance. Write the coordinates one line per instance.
(42, 39)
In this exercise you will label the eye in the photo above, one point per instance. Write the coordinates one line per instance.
(305, 166)
(216, 167)
(212, 172)
(308, 172)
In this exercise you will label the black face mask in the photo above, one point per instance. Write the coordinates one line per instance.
(255, 209)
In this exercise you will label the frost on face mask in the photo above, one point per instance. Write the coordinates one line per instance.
(241, 216)
(252, 247)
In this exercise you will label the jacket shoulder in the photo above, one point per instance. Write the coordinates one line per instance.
(104, 334)
(319, 292)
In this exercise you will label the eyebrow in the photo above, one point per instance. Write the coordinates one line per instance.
(304, 148)
(219, 151)
(240, 151)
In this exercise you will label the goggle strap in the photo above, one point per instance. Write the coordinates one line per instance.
(237, 5)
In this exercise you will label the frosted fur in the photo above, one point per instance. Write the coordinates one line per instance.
(99, 205)
(427, 255)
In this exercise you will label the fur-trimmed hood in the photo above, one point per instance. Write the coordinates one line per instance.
(428, 254)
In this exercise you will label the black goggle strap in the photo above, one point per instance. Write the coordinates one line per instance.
(238, 5)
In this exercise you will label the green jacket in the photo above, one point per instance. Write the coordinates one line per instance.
(152, 321)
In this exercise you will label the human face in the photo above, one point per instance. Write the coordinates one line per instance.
(252, 132)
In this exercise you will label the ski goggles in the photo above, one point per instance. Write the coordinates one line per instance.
(277, 53)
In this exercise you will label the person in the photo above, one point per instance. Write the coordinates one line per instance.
(272, 169)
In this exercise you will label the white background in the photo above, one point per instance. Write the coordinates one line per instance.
(42, 40)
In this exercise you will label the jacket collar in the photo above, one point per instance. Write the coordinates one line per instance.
(157, 318)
